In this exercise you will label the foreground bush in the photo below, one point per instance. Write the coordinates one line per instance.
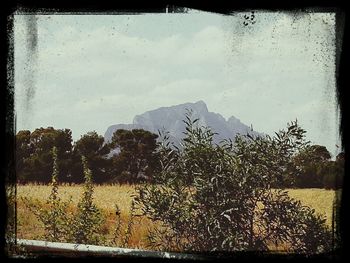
(87, 222)
(220, 197)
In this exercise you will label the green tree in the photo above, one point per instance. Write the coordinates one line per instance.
(312, 163)
(212, 197)
(92, 146)
(34, 155)
(333, 172)
(137, 159)
(23, 151)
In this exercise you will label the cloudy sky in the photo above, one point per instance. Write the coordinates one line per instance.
(87, 72)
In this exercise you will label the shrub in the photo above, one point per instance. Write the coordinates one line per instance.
(88, 220)
(212, 197)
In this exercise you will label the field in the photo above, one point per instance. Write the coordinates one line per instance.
(106, 196)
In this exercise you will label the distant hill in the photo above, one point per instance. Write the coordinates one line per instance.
(170, 119)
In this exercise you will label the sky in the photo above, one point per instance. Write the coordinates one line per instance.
(87, 72)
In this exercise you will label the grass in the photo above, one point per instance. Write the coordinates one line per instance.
(319, 199)
(106, 196)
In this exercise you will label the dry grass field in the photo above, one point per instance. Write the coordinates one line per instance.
(319, 199)
(106, 196)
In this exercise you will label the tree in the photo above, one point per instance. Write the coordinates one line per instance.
(333, 172)
(92, 146)
(137, 159)
(34, 155)
(312, 163)
(23, 151)
(212, 197)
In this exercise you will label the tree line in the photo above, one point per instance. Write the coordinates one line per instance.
(134, 156)
(129, 157)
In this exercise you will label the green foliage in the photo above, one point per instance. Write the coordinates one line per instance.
(61, 225)
(212, 197)
(92, 146)
(88, 219)
(23, 151)
(34, 156)
(311, 163)
(332, 175)
(54, 214)
(136, 161)
(316, 170)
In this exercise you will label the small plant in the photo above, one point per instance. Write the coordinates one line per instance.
(129, 228)
(88, 219)
(60, 224)
(54, 215)
(117, 233)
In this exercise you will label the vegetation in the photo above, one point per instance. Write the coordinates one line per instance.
(54, 215)
(34, 160)
(201, 196)
(317, 170)
(221, 197)
(137, 160)
(87, 221)
(60, 225)
(92, 146)
(29, 227)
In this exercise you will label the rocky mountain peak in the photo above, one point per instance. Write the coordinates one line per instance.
(170, 119)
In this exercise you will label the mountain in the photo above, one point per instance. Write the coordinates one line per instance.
(170, 119)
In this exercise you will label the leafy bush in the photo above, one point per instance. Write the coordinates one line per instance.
(88, 220)
(212, 197)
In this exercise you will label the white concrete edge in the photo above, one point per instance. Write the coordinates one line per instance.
(39, 245)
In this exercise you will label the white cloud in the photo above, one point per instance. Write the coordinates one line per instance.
(91, 75)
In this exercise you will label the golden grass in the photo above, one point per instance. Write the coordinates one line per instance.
(106, 196)
(319, 199)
